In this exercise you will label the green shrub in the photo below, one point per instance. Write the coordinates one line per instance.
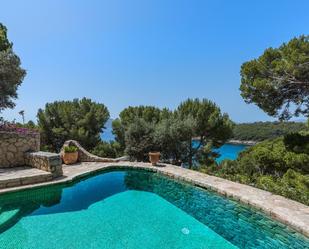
(292, 185)
(70, 149)
(271, 157)
(296, 142)
(228, 167)
(105, 149)
(273, 166)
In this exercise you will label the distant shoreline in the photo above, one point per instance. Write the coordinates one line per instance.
(236, 142)
(242, 142)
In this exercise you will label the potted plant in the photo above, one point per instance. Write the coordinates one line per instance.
(70, 154)
(154, 157)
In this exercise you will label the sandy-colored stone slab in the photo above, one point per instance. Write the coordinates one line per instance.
(14, 177)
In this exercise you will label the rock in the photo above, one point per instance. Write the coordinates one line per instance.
(12, 148)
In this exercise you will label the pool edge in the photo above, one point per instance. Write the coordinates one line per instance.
(286, 211)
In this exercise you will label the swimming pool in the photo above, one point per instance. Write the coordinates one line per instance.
(135, 209)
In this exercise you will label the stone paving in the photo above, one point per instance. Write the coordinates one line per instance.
(289, 212)
(12, 177)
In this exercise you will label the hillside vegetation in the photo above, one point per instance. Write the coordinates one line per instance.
(279, 165)
(260, 131)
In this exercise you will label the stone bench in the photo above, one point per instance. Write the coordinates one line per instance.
(50, 162)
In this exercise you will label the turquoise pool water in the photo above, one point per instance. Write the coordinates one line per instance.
(135, 209)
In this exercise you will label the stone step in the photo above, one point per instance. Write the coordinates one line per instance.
(6, 216)
(18, 176)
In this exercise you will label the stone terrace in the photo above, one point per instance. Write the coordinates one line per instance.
(289, 212)
(12, 177)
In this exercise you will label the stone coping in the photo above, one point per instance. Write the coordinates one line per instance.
(289, 212)
(44, 154)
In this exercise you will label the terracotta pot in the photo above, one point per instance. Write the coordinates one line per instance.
(70, 158)
(154, 157)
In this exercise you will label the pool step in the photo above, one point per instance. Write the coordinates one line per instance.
(8, 218)
(18, 176)
(5, 216)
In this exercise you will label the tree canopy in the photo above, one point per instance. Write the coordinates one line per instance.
(144, 128)
(82, 120)
(139, 139)
(210, 126)
(278, 81)
(130, 115)
(148, 113)
(173, 137)
(11, 73)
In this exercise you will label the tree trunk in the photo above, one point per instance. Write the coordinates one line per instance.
(190, 154)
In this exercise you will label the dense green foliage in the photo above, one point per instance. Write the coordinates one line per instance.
(297, 142)
(278, 81)
(70, 149)
(139, 139)
(5, 44)
(131, 115)
(279, 165)
(260, 131)
(149, 114)
(11, 74)
(81, 120)
(173, 138)
(107, 149)
(142, 129)
(209, 125)
(118, 131)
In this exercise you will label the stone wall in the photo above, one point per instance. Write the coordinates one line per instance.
(84, 155)
(13, 145)
(46, 161)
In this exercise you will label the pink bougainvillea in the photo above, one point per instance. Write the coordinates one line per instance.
(9, 127)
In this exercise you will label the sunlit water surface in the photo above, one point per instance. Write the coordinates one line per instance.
(135, 209)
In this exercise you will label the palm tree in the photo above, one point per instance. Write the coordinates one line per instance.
(22, 113)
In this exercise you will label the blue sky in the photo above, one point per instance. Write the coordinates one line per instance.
(150, 52)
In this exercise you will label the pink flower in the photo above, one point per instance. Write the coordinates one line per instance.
(9, 127)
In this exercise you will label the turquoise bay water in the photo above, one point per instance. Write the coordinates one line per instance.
(135, 209)
(226, 151)
(229, 151)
